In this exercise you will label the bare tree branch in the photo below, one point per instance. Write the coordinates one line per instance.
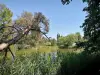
(38, 18)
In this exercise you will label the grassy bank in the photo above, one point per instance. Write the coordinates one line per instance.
(37, 63)
(43, 62)
(33, 64)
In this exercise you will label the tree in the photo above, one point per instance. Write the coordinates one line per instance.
(70, 39)
(78, 36)
(58, 36)
(5, 15)
(53, 41)
(22, 22)
(91, 25)
(26, 19)
(5, 20)
(67, 41)
(34, 26)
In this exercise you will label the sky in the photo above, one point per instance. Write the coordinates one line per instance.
(63, 19)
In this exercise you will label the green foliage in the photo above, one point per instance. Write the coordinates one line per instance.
(27, 42)
(58, 35)
(78, 36)
(81, 44)
(39, 23)
(25, 19)
(69, 40)
(5, 15)
(53, 42)
(34, 64)
(73, 64)
(68, 1)
(5, 20)
(91, 26)
(69, 63)
(80, 41)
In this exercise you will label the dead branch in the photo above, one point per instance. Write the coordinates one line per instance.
(6, 44)
(20, 33)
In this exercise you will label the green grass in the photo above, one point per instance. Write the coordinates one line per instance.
(38, 63)
(32, 62)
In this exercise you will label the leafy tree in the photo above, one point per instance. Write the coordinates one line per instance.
(91, 25)
(70, 39)
(5, 20)
(78, 36)
(5, 15)
(26, 19)
(58, 36)
(22, 22)
(35, 26)
(66, 41)
(53, 42)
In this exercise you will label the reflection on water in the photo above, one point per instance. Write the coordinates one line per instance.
(51, 55)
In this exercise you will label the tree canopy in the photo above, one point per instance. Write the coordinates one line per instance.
(91, 25)
(38, 22)
(68, 1)
(5, 15)
(69, 40)
(23, 26)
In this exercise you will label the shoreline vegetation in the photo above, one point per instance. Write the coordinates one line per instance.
(34, 53)
(56, 62)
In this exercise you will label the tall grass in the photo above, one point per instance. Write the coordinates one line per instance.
(78, 63)
(69, 63)
(33, 64)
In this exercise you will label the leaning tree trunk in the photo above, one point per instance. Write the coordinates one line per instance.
(38, 18)
(6, 45)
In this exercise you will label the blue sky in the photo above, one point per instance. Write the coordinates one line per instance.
(64, 19)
